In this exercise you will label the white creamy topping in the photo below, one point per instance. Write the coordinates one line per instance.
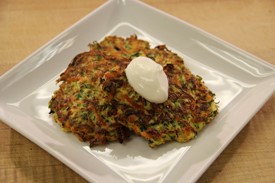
(148, 79)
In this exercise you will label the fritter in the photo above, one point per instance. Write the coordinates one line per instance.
(80, 106)
(190, 105)
(96, 102)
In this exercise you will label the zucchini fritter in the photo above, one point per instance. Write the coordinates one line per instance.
(80, 105)
(96, 102)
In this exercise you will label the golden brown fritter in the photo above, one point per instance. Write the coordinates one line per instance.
(100, 105)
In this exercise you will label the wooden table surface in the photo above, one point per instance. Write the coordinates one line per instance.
(25, 25)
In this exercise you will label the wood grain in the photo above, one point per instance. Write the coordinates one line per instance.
(249, 24)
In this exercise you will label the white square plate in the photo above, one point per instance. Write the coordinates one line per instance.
(237, 78)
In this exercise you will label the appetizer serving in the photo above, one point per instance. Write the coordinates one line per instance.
(101, 98)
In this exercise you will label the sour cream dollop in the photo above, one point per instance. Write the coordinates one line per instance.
(148, 79)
